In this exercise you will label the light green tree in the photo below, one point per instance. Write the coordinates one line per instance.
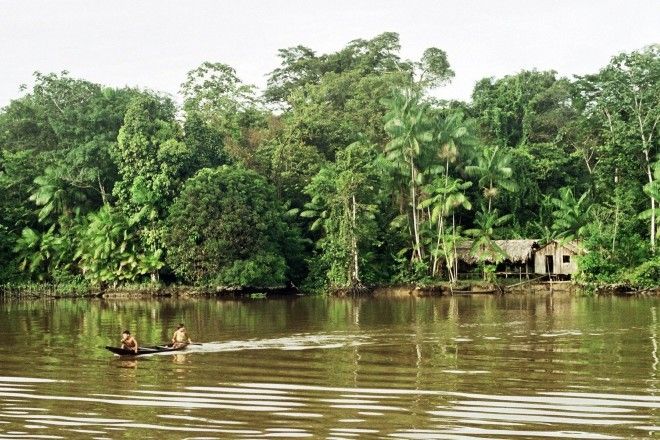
(42, 255)
(109, 250)
(445, 195)
(484, 247)
(152, 163)
(346, 198)
(652, 189)
(409, 127)
(570, 215)
(494, 171)
(626, 97)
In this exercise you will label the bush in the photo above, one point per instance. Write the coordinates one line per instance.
(228, 227)
(604, 264)
(259, 270)
(646, 274)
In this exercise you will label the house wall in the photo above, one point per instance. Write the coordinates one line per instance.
(557, 251)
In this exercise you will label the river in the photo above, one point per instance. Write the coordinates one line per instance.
(517, 366)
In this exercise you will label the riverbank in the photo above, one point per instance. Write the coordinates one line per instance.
(467, 287)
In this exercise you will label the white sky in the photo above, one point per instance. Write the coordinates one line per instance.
(153, 43)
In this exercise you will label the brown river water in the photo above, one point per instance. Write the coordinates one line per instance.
(511, 367)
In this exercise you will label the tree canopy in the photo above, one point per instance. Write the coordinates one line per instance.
(344, 171)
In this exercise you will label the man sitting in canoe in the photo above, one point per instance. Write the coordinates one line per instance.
(181, 337)
(128, 342)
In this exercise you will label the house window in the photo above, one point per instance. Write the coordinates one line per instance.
(566, 259)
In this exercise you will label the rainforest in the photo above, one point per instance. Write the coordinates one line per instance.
(346, 171)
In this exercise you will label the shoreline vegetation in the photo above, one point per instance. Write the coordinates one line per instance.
(345, 172)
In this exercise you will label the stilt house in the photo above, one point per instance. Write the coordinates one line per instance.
(557, 258)
(527, 257)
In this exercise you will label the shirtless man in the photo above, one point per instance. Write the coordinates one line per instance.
(128, 342)
(180, 337)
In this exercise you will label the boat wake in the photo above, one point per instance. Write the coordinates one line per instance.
(289, 343)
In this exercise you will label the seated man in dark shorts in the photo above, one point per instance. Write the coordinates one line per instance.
(128, 342)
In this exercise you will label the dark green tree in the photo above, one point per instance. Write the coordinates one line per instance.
(227, 227)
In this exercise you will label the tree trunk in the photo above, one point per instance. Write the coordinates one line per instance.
(102, 189)
(649, 174)
(354, 248)
(413, 194)
(453, 233)
(616, 207)
(441, 222)
(436, 260)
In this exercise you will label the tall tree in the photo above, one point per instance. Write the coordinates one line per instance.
(455, 138)
(214, 93)
(446, 194)
(301, 66)
(409, 127)
(626, 93)
(152, 162)
(334, 99)
(346, 197)
(652, 189)
(532, 116)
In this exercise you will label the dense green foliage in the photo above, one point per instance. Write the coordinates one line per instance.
(344, 172)
(346, 198)
(236, 235)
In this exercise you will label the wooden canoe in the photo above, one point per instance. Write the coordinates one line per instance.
(143, 350)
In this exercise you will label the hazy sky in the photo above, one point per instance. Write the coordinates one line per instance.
(153, 43)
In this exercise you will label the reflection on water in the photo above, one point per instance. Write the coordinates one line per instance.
(127, 363)
(446, 368)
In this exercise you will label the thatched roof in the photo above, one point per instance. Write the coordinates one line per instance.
(517, 251)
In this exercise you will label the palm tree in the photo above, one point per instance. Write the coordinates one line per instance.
(408, 125)
(455, 135)
(494, 171)
(571, 215)
(42, 253)
(484, 247)
(546, 234)
(110, 251)
(445, 195)
(542, 227)
(57, 194)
